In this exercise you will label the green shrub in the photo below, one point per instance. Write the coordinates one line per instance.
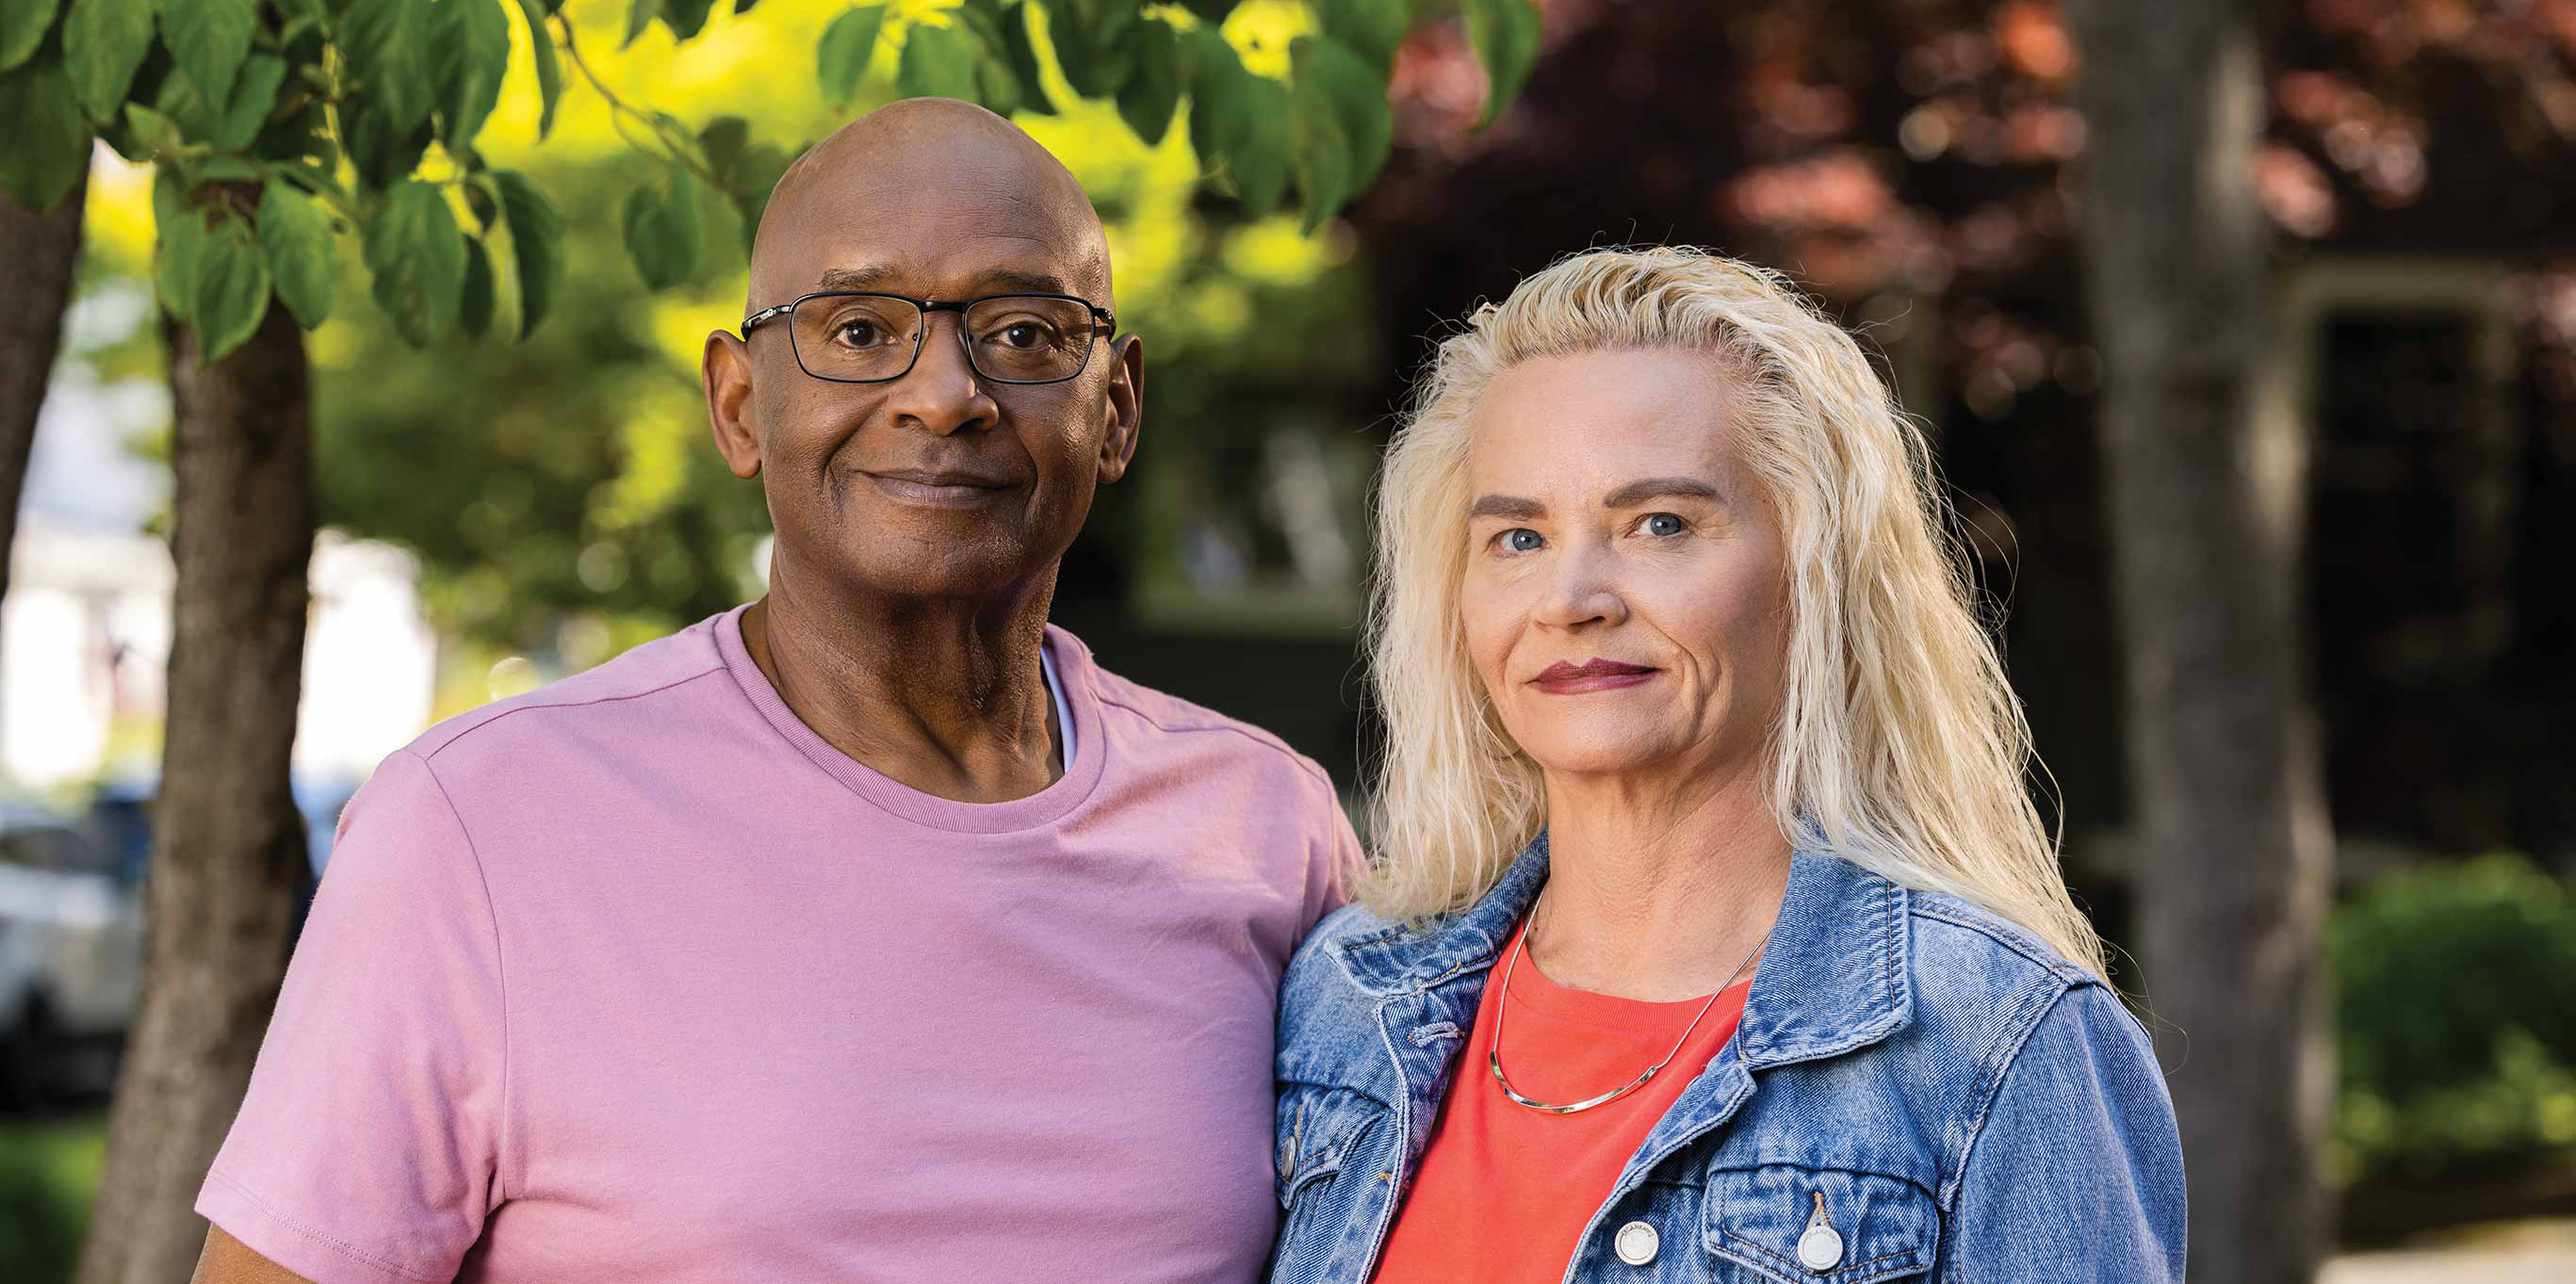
(2455, 1008)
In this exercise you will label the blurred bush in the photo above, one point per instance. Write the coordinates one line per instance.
(48, 1174)
(2455, 1002)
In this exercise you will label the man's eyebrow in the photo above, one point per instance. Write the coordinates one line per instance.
(1512, 506)
(997, 281)
(1639, 491)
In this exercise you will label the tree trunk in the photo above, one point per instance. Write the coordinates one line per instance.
(229, 864)
(2207, 481)
(37, 252)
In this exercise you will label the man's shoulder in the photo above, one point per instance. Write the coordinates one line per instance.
(1163, 714)
(663, 666)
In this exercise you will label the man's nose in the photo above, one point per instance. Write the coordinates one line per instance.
(942, 394)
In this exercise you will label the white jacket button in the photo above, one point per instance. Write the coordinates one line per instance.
(1636, 1243)
(1820, 1249)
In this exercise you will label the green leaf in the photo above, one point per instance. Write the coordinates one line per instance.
(474, 307)
(1239, 122)
(48, 141)
(722, 141)
(1319, 154)
(1212, 12)
(761, 167)
(847, 46)
(224, 169)
(938, 62)
(661, 223)
(1505, 34)
(296, 235)
(154, 130)
(103, 42)
(1328, 74)
(182, 229)
(254, 96)
(685, 18)
(1154, 86)
(23, 24)
(381, 151)
(536, 245)
(1372, 28)
(417, 254)
(385, 42)
(1020, 53)
(743, 6)
(228, 292)
(469, 50)
(638, 18)
(541, 42)
(209, 39)
(1094, 63)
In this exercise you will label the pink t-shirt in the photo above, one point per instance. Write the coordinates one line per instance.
(636, 978)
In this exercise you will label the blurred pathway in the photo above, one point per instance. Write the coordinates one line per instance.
(2525, 1253)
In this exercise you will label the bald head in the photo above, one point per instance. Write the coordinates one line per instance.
(926, 172)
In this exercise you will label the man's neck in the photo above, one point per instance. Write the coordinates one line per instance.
(944, 696)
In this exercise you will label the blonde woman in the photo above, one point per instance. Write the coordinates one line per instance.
(1712, 934)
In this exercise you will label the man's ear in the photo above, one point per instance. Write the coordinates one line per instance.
(725, 370)
(1126, 409)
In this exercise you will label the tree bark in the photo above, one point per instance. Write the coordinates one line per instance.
(2207, 481)
(37, 252)
(229, 865)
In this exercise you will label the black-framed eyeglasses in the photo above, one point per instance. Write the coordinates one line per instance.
(856, 336)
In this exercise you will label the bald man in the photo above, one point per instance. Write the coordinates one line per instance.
(866, 932)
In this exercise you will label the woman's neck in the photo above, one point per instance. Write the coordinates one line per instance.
(1657, 895)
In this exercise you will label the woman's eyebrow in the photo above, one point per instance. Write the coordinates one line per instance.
(1638, 492)
(1512, 506)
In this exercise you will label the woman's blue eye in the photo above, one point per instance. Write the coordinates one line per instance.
(1521, 539)
(1664, 524)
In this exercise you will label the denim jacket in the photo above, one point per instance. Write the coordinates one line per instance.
(1970, 1108)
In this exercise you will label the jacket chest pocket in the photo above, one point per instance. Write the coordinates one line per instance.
(1791, 1224)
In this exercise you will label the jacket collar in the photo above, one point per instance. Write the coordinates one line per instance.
(1833, 978)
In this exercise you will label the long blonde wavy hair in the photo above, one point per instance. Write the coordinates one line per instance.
(1899, 744)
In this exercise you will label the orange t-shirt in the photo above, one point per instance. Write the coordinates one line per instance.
(1503, 1191)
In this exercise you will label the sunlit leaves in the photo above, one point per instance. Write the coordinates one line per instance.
(103, 42)
(847, 45)
(296, 236)
(210, 38)
(1238, 121)
(383, 41)
(541, 43)
(228, 292)
(23, 24)
(937, 62)
(661, 225)
(417, 254)
(48, 145)
(1158, 75)
(1505, 36)
(469, 49)
(536, 244)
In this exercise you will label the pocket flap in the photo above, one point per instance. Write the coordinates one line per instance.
(1873, 1227)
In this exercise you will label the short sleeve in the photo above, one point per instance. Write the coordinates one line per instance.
(1338, 863)
(368, 1148)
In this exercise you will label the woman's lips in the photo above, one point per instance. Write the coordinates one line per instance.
(1565, 678)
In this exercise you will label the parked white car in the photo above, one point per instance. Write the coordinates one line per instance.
(71, 945)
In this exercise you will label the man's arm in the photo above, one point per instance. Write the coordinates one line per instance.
(229, 1261)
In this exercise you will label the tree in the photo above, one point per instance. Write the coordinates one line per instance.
(278, 124)
(37, 251)
(2207, 487)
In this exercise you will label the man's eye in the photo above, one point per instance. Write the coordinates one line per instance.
(1023, 334)
(1521, 539)
(861, 334)
(1663, 524)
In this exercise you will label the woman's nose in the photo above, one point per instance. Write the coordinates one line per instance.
(1582, 595)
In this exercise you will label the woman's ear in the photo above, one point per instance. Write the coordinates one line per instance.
(725, 370)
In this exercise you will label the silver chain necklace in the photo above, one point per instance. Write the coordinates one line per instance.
(1494, 1057)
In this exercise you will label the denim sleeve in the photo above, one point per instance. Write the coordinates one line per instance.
(2076, 1170)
